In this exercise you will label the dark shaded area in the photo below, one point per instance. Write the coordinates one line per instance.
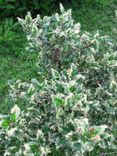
(14, 8)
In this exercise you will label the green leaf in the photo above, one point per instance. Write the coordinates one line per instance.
(55, 74)
(28, 18)
(57, 101)
(15, 110)
(5, 124)
(62, 8)
(10, 1)
(9, 6)
(13, 117)
(74, 70)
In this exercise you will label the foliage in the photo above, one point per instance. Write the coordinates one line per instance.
(14, 8)
(6, 7)
(9, 38)
(60, 42)
(56, 119)
(71, 111)
(95, 3)
(15, 61)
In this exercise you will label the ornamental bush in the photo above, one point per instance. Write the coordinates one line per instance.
(56, 120)
(71, 109)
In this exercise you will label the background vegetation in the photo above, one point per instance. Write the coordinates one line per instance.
(16, 8)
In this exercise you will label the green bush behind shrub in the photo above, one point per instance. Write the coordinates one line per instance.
(16, 8)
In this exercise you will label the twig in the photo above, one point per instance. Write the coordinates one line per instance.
(85, 47)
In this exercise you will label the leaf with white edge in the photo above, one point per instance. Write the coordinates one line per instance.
(40, 134)
(102, 129)
(11, 132)
(16, 110)
(62, 8)
(77, 28)
(21, 21)
(28, 18)
(55, 74)
(13, 117)
(74, 70)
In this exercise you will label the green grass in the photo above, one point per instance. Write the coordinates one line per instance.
(96, 18)
(13, 68)
(17, 63)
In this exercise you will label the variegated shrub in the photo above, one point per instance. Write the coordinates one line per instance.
(71, 109)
